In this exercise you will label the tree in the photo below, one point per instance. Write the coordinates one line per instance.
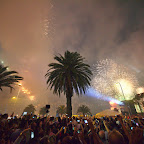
(68, 75)
(61, 110)
(43, 111)
(7, 78)
(30, 109)
(136, 100)
(84, 110)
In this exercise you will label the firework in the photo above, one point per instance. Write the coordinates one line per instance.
(47, 21)
(114, 80)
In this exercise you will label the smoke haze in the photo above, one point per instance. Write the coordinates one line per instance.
(97, 29)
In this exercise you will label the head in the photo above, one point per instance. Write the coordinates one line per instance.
(102, 134)
(33, 125)
(5, 116)
(67, 140)
(115, 137)
(44, 140)
(35, 141)
(23, 124)
(73, 117)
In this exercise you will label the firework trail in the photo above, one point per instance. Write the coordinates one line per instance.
(110, 77)
(48, 21)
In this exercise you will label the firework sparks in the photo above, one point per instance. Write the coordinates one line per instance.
(48, 18)
(114, 80)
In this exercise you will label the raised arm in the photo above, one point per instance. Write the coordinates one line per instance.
(123, 126)
(96, 138)
(106, 127)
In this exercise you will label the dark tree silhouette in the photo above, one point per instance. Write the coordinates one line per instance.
(30, 109)
(8, 78)
(68, 75)
(43, 111)
(84, 110)
(61, 110)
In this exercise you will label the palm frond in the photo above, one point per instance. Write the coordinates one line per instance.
(8, 78)
(70, 73)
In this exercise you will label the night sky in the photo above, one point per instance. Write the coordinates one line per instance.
(33, 31)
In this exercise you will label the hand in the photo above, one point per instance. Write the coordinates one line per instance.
(90, 123)
(136, 136)
(27, 134)
(81, 137)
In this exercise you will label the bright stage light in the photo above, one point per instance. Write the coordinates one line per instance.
(93, 93)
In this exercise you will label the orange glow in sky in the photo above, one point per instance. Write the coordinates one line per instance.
(31, 98)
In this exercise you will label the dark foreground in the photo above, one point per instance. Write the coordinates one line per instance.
(49, 130)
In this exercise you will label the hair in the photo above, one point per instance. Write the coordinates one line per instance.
(102, 134)
(23, 124)
(115, 137)
(5, 116)
(44, 140)
(67, 140)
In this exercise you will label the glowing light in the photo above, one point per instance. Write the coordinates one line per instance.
(111, 103)
(20, 84)
(13, 97)
(26, 91)
(2, 62)
(31, 98)
(140, 90)
(93, 93)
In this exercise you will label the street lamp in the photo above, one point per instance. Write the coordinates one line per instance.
(13, 97)
(121, 89)
(124, 97)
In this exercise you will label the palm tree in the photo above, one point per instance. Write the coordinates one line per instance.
(61, 110)
(7, 78)
(68, 75)
(84, 110)
(43, 111)
(30, 109)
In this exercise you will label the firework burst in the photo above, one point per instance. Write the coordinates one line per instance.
(114, 80)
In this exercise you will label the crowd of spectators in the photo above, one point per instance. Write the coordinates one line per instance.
(30, 129)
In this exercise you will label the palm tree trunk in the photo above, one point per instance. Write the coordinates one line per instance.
(69, 106)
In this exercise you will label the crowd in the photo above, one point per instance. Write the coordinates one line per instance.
(30, 129)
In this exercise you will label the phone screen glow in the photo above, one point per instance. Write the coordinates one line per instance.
(32, 134)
